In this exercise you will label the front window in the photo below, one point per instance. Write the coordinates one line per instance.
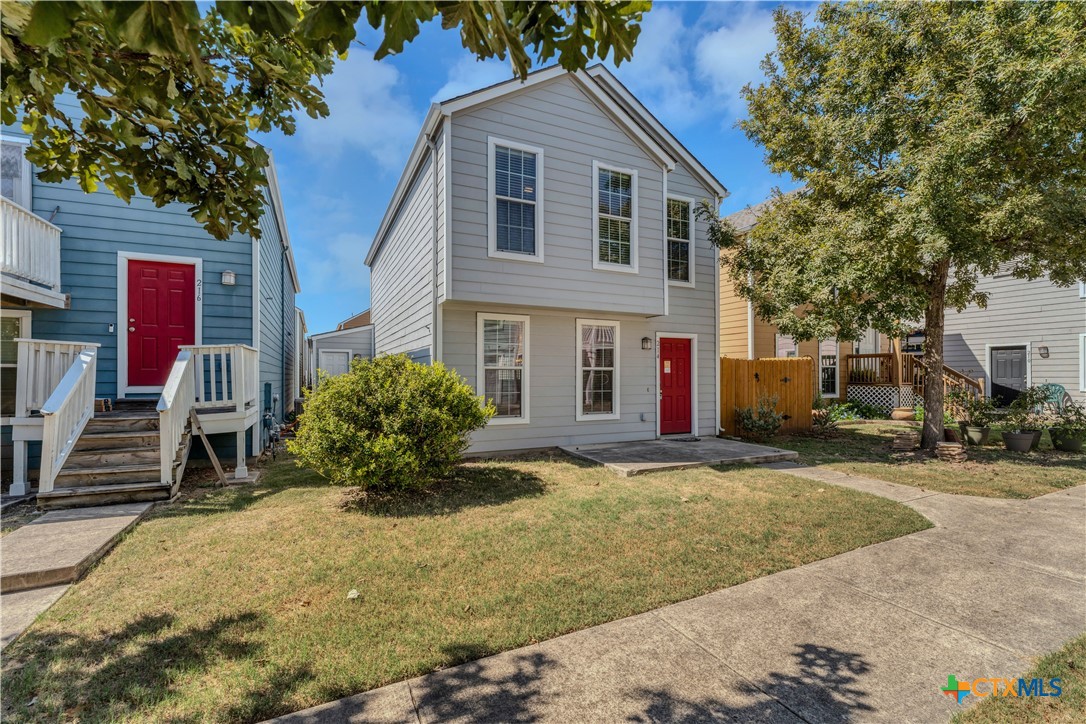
(15, 173)
(679, 230)
(616, 213)
(515, 200)
(503, 365)
(786, 346)
(13, 325)
(597, 370)
(827, 364)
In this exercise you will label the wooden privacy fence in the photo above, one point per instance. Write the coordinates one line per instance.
(789, 379)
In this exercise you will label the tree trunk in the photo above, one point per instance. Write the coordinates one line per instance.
(934, 317)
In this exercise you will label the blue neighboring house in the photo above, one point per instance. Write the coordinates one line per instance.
(120, 320)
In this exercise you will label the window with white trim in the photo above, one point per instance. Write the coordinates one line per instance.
(515, 180)
(597, 370)
(15, 173)
(828, 363)
(680, 230)
(786, 346)
(615, 212)
(503, 365)
(13, 325)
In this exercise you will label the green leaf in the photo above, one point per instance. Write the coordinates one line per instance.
(50, 21)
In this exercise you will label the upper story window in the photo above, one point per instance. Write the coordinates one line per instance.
(680, 229)
(615, 223)
(786, 346)
(15, 173)
(516, 201)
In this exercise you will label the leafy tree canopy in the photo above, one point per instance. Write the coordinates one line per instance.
(166, 97)
(936, 142)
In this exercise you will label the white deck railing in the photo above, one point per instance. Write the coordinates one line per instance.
(227, 375)
(41, 364)
(31, 246)
(66, 413)
(178, 398)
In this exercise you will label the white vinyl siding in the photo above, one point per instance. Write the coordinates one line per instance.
(515, 200)
(502, 371)
(680, 228)
(1082, 363)
(614, 218)
(598, 389)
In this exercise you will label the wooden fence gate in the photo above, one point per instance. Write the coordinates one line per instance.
(789, 379)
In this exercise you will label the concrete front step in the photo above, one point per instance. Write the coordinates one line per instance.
(85, 459)
(126, 423)
(116, 440)
(142, 472)
(85, 495)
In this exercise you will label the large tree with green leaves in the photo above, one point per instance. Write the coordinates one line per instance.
(168, 96)
(937, 142)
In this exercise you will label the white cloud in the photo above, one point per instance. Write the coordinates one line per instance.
(659, 72)
(728, 57)
(335, 264)
(369, 112)
(469, 74)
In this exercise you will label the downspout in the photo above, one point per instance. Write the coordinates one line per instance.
(435, 311)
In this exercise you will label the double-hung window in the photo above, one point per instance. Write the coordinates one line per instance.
(15, 173)
(515, 183)
(503, 365)
(680, 230)
(597, 370)
(827, 365)
(614, 201)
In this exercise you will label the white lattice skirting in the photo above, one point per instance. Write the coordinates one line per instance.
(883, 397)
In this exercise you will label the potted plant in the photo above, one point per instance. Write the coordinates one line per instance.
(1068, 430)
(1024, 421)
(976, 413)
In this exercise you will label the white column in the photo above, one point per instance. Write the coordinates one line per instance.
(241, 471)
(19, 485)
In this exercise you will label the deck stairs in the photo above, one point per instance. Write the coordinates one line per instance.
(115, 460)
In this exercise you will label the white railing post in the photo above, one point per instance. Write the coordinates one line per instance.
(66, 413)
(177, 400)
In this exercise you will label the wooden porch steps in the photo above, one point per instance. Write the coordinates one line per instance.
(115, 460)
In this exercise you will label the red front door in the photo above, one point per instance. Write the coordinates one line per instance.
(675, 399)
(161, 318)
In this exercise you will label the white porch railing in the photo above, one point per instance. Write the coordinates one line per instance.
(66, 413)
(31, 246)
(178, 398)
(40, 366)
(227, 375)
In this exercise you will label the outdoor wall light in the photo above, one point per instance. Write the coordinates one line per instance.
(229, 278)
(1043, 351)
(646, 343)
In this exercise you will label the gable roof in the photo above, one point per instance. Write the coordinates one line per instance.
(281, 221)
(596, 83)
(358, 320)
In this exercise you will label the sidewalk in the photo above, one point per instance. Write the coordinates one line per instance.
(869, 635)
(40, 560)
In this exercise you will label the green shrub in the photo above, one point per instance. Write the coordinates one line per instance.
(760, 423)
(388, 424)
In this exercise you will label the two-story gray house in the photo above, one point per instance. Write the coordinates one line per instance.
(1031, 333)
(542, 242)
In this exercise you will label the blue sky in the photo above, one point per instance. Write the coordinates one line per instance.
(337, 173)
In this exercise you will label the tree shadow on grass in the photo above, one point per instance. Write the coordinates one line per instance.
(472, 486)
(121, 673)
(825, 688)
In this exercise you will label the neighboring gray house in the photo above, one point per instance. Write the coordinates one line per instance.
(1032, 332)
(333, 351)
(542, 242)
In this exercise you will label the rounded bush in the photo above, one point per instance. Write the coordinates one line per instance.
(388, 424)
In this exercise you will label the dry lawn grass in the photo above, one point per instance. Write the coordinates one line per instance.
(234, 605)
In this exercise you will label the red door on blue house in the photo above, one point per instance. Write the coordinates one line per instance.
(161, 318)
(675, 392)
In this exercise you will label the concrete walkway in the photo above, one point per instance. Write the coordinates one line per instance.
(651, 456)
(39, 560)
(866, 636)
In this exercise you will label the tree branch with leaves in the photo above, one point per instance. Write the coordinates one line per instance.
(157, 98)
